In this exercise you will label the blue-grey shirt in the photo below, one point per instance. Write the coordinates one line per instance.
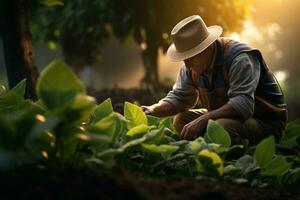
(243, 76)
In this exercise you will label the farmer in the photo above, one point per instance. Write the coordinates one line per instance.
(230, 79)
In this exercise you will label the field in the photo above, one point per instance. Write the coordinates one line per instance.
(65, 145)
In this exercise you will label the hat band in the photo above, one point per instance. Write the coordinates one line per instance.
(185, 43)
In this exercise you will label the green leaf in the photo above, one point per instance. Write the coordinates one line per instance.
(2, 90)
(292, 130)
(112, 126)
(102, 110)
(196, 145)
(19, 89)
(206, 165)
(153, 120)
(106, 126)
(51, 3)
(276, 166)
(264, 151)
(79, 110)
(137, 130)
(135, 115)
(164, 149)
(291, 135)
(166, 122)
(17, 119)
(58, 85)
(158, 138)
(216, 134)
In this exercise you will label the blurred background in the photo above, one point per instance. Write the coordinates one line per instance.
(117, 48)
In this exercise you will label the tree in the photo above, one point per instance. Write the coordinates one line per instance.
(83, 26)
(18, 53)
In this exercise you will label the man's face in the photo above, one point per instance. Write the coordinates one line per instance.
(200, 62)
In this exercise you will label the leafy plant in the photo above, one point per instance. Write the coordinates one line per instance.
(65, 127)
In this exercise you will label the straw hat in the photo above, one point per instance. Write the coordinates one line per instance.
(190, 37)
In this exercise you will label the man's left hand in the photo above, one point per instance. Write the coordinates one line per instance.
(193, 129)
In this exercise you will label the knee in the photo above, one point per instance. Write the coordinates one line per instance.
(227, 124)
(183, 118)
(233, 127)
(179, 122)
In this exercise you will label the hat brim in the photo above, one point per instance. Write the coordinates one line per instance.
(214, 34)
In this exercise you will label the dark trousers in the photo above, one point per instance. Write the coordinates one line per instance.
(246, 132)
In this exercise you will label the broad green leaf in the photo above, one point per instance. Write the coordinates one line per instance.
(106, 126)
(102, 110)
(164, 149)
(120, 127)
(206, 166)
(19, 89)
(158, 138)
(196, 146)
(216, 160)
(216, 134)
(137, 130)
(153, 120)
(276, 166)
(135, 115)
(17, 119)
(68, 149)
(292, 130)
(96, 142)
(166, 122)
(291, 135)
(106, 157)
(231, 170)
(264, 151)
(79, 110)
(291, 143)
(243, 162)
(112, 126)
(2, 90)
(51, 3)
(58, 85)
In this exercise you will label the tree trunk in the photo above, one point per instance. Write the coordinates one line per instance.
(69, 45)
(150, 60)
(17, 45)
(150, 80)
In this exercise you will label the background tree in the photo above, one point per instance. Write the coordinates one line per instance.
(18, 53)
(82, 27)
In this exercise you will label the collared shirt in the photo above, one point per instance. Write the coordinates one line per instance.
(243, 76)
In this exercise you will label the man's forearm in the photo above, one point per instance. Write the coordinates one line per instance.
(163, 109)
(225, 111)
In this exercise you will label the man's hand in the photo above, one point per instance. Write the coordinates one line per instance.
(193, 129)
(160, 109)
(148, 110)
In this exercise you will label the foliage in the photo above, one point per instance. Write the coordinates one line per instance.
(82, 27)
(66, 128)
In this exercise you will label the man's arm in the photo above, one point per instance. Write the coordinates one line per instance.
(244, 76)
(160, 109)
(191, 130)
(181, 97)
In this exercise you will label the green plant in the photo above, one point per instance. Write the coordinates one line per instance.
(65, 128)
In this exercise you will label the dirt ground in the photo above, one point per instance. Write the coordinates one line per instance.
(114, 185)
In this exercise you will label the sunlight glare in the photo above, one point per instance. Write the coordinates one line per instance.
(281, 75)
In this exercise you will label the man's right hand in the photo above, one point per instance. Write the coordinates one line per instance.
(161, 109)
(148, 110)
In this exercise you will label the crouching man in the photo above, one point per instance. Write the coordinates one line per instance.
(230, 79)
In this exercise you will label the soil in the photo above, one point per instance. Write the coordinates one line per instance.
(120, 184)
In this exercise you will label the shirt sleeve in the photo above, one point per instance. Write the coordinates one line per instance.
(243, 75)
(184, 93)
